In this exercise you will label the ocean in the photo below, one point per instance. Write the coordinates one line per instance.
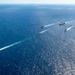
(28, 49)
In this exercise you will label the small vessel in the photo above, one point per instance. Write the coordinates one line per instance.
(62, 23)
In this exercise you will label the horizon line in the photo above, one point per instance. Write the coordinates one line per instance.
(39, 3)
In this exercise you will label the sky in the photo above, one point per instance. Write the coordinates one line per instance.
(37, 1)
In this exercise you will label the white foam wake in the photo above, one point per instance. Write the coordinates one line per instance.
(8, 46)
(69, 28)
(43, 31)
(16, 43)
(70, 21)
(57, 23)
(50, 25)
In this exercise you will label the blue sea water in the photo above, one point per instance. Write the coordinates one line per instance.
(50, 53)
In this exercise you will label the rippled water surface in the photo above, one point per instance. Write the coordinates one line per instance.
(23, 51)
